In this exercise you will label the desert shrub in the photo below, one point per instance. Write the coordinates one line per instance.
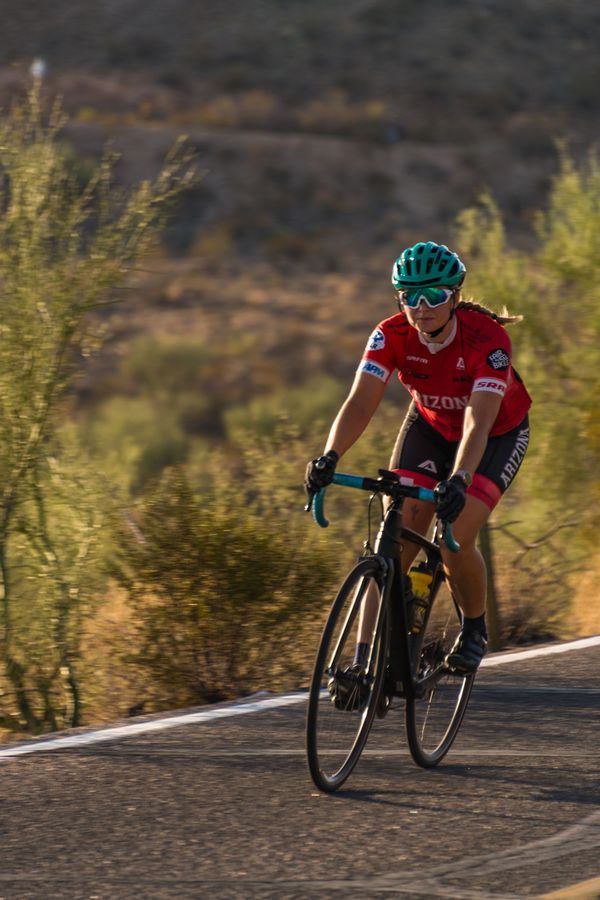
(253, 108)
(556, 287)
(67, 240)
(334, 112)
(221, 595)
(532, 581)
(554, 347)
(310, 407)
(164, 395)
(135, 438)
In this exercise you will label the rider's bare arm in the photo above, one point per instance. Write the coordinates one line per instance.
(480, 415)
(355, 413)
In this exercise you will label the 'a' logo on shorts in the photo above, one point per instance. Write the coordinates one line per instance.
(429, 465)
(461, 363)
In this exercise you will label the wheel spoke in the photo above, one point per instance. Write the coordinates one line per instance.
(434, 714)
(343, 639)
(343, 695)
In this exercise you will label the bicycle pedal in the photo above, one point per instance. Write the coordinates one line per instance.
(384, 704)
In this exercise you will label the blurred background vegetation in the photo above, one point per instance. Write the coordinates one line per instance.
(177, 335)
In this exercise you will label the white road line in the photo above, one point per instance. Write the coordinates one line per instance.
(498, 659)
(84, 739)
(124, 731)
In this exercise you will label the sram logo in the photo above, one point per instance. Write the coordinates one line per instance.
(493, 385)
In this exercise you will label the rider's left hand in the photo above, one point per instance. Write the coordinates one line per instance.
(450, 496)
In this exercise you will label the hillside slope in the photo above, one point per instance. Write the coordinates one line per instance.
(338, 126)
(329, 135)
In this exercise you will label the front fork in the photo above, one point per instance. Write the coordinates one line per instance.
(398, 677)
(404, 648)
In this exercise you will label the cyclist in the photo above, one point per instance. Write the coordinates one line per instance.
(466, 431)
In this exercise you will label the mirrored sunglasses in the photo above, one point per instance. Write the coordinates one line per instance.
(433, 296)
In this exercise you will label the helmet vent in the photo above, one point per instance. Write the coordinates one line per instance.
(427, 265)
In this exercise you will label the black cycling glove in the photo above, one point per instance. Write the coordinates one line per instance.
(319, 473)
(450, 498)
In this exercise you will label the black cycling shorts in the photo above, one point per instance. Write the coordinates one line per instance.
(423, 456)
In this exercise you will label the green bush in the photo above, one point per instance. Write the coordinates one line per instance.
(222, 595)
(67, 236)
(310, 407)
(557, 289)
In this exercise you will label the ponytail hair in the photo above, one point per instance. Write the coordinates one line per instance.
(503, 317)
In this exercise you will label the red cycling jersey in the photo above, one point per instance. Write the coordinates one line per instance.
(476, 358)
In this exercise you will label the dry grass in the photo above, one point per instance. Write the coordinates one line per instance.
(114, 688)
(111, 689)
(585, 613)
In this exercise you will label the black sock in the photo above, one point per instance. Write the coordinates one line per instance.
(476, 624)
(360, 654)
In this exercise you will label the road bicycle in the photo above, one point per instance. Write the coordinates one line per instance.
(408, 639)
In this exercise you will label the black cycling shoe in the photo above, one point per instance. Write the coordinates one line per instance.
(384, 701)
(469, 649)
(349, 689)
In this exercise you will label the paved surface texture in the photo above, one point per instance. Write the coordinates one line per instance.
(226, 808)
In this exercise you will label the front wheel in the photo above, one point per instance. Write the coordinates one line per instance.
(343, 695)
(436, 708)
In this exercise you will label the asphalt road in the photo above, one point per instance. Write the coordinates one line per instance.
(226, 808)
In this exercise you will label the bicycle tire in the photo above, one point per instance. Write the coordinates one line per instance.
(433, 720)
(337, 730)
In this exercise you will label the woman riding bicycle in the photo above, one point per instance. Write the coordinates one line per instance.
(466, 431)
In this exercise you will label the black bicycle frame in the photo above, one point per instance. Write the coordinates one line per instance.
(404, 647)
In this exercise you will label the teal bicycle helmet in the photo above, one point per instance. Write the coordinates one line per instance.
(427, 265)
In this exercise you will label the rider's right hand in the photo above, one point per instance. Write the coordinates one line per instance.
(319, 473)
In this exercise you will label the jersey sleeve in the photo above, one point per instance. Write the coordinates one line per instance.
(493, 368)
(378, 358)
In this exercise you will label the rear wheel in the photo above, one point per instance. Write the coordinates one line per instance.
(343, 697)
(435, 713)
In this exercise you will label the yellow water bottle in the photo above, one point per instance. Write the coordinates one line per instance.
(421, 577)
